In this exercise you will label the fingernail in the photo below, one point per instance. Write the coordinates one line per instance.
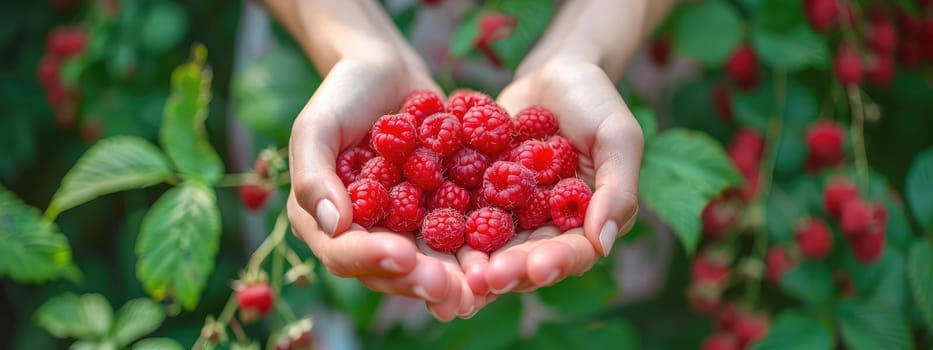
(421, 293)
(607, 236)
(506, 289)
(551, 278)
(469, 312)
(436, 316)
(390, 265)
(327, 215)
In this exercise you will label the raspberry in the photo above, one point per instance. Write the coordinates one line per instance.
(477, 200)
(566, 155)
(405, 211)
(442, 230)
(65, 42)
(711, 268)
(882, 37)
(838, 191)
(253, 196)
(814, 165)
(814, 238)
(704, 298)
(449, 195)
(487, 129)
(466, 167)
(879, 70)
(369, 200)
(777, 263)
(742, 67)
(462, 100)
(660, 51)
(488, 229)
(749, 329)
(848, 66)
(720, 341)
(47, 71)
(422, 104)
(822, 14)
(824, 139)
(536, 211)
(569, 199)
(719, 216)
(381, 170)
(350, 163)
(859, 217)
(424, 169)
(722, 102)
(254, 300)
(394, 137)
(507, 184)
(727, 315)
(540, 158)
(441, 133)
(868, 247)
(534, 123)
(745, 151)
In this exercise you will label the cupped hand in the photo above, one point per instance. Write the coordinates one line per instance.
(593, 116)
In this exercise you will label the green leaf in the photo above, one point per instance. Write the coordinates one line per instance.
(533, 18)
(796, 330)
(498, 323)
(869, 326)
(164, 26)
(790, 50)
(135, 319)
(582, 335)
(709, 32)
(31, 248)
(72, 316)
(583, 295)
(920, 271)
(182, 133)
(157, 344)
(682, 170)
(352, 297)
(465, 34)
(111, 165)
(270, 92)
(779, 15)
(811, 282)
(177, 243)
(646, 120)
(884, 282)
(919, 189)
(85, 344)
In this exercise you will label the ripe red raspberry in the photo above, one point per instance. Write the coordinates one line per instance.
(745, 151)
(749, 329)
(569, 199)
(65, 42)
(381, 170)
(566, 155)
(859, 217)
(488, 229)
(350, 163)
(442, 230)
(882, 37)
(727, 315)
(720, 341)
(487, 129)
(722, 102)
(441, 133)
(742, 67)
(536, 211)
(704, 298)
(466, 167)
(822, 14)
(507, 184)
(369, 200)
(449, 195)
(711, 268)
(47, 71)
(814, 165)
(422, 104)
(539, 157)
(493, 27)
(394, 137)
(660, 51)
(424, 169)
(462, 100)
(777, 263)
(824, 139)
(405, 211)
(848, 66)
(868, 247)
(838, 191)
(254, 300)
(879, 70)
(814, 238)
(254, 196)
(719, 216)
(534, 123)
(477, 200)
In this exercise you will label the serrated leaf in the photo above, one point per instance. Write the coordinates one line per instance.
(157, 344)
(920, 272)
(869, 326)
(177, 243)
(790, 50)
(796, 330)
(111, 165)
(682, 170)
(135, 319)
(884, 282)
(919, 189)
(72, 316)
(31, 248)
(708, 31)
(582, 295)
(498, 323)
(811, 282)
(182, 133)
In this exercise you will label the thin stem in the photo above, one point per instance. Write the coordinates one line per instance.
(292, 257)
(238, 331)
(227, 314)
(858, 137)
(267, 245)
(282, 179)
(234, 180)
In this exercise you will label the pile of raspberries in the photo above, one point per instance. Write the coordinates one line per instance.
(463, 172)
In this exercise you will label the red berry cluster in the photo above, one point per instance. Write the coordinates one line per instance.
(464, 172)
(254, 300)
(736, 328)
(255, 194)
(61, 44)
(720, 215)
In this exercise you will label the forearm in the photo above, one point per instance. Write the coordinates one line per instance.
(603, 32)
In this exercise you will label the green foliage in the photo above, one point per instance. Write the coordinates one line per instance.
(31, 248)
(790, 50)
(810, 282)
(90, 318)
(708, 31)
(352, 297)
(583, 295)
(164, 26)
(157, 344)
(869, 326)
(920, 189)
(583, 335)
(682, 170)
(112, 165)
(792, 330)
(920, 269)
(135, 319)
(533, 17)
(498, 323)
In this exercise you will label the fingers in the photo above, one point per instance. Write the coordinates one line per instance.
(459, 298)
(428, 281)
(545, 258)
(474, 264)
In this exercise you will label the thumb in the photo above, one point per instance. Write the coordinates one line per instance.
(317, 188)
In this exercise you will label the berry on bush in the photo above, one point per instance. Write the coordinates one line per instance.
(488, 229)
(822, 14)
(749, 329)
(868, 247)
(719, 216)
(369, 200)
(837, 193)
(848, 66)
(254, 196)
(569, 200)
(711, 268)
(814, 238)
(720, 341)
(254, 301)
(742, 67)
(777, 264)
(882, 37)
(443, 230)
